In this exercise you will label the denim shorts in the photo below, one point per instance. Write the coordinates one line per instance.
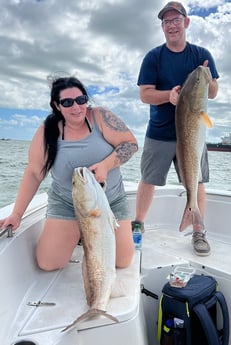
(157, 158)
(62, 209)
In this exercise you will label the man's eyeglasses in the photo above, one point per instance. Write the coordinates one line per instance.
(175, 21)
(68, 102)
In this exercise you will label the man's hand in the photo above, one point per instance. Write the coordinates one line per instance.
(174, 93)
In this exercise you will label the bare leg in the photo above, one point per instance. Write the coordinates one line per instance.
(201, 198)
(143, 200)
(59, 238)
(56, 243)
(200, 243)
(124, 244)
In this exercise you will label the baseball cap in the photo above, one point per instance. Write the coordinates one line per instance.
(172, 5)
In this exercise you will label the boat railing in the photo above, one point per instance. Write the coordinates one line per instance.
(8, 230)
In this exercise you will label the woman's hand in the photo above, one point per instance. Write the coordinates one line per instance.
(100, 171)
(13, 220)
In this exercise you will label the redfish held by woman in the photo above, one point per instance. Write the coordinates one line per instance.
(191, 121)
(97, 227)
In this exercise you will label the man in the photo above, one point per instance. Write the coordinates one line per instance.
(163, 71)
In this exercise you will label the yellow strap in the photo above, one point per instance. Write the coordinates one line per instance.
(160, 315)
(187, 309)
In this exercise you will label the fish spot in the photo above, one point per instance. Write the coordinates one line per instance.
(95, 213)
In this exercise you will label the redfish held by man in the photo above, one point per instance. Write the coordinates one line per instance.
(97, 227)
(191, 121)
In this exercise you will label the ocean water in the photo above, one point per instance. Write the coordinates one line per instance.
(13, 160)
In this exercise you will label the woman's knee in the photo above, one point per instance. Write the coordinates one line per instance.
(125, 260)
(47, 266)
(48, 262)
(56, 244)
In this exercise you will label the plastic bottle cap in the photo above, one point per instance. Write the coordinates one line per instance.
(170, 323)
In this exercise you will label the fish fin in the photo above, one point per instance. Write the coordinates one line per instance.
(191, 217)
(113, 221)
(69, 326)
(91, 313)
(95, 213)
(207, 120)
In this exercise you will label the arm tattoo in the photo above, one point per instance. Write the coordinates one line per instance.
(124, 152)
(113, 121)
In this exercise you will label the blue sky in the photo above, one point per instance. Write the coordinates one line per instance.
(102, 42)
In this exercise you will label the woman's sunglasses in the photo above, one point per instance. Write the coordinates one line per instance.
(68, 102)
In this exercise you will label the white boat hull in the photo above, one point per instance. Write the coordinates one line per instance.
(163, 248)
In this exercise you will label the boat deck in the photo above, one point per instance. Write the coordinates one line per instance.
(164, 248)
(163, 245)
(61, 293)
(121, 305)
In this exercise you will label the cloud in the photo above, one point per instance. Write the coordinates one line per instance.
(102, 42)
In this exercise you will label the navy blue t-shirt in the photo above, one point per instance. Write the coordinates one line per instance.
(165, 69)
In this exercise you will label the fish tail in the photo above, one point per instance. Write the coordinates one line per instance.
(191, 217)
(91, 313)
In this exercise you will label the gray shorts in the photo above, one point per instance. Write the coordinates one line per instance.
(157, 158)
(62, 209)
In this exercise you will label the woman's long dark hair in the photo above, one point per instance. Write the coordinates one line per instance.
(51, 129)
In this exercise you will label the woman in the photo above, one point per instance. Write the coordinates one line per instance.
(75, 134)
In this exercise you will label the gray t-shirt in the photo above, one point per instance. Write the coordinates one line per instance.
(83, 153)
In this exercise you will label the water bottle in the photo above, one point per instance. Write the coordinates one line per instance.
(167, 337)
(179, 332)
(137, 236)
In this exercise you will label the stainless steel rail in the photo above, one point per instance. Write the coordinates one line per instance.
(8, 230)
